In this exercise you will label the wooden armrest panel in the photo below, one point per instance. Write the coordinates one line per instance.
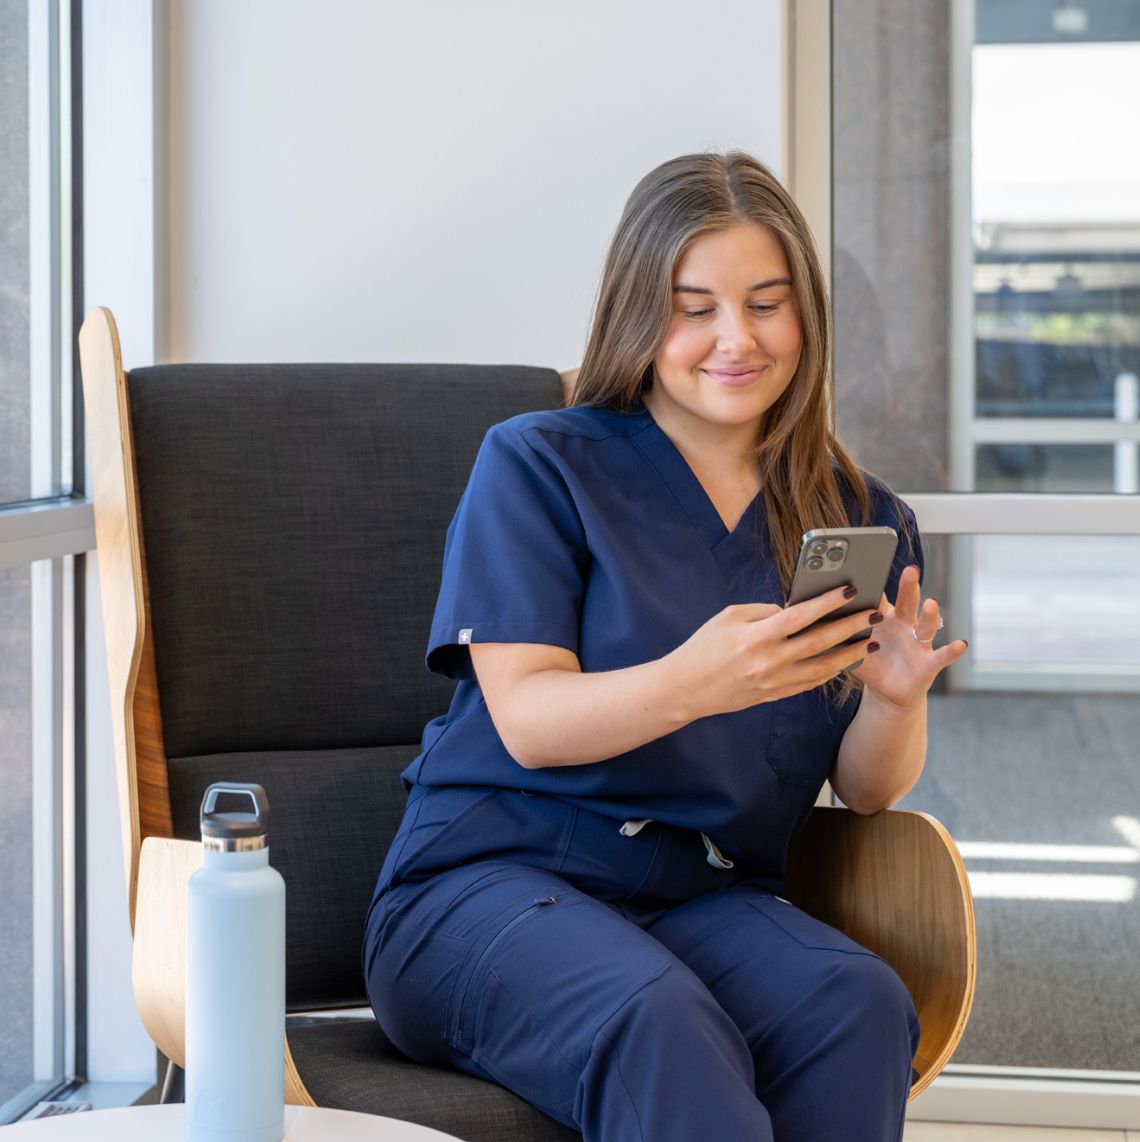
(136, 719)
(159, 963)
(895, 883)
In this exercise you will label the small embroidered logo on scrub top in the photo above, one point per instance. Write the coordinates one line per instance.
(465, 636)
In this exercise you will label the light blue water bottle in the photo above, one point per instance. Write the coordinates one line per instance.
(235, 978)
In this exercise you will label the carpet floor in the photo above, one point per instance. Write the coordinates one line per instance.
(1042, 792)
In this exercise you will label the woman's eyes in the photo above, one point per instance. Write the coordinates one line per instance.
(706, 312)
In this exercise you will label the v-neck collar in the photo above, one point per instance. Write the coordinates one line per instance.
(731, 549)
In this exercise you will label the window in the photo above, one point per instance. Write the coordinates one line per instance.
(44, 527)
(986, 267)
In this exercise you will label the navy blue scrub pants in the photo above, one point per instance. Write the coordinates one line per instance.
(624, 986)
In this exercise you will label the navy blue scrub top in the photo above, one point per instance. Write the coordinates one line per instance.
(586, 528)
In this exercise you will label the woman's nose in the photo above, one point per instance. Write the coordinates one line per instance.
(734, 335)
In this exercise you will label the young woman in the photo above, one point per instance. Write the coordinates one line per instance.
(582, 901)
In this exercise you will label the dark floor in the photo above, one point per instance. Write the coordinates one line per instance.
(1058, 980)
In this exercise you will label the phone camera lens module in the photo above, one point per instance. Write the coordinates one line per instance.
(815, 563)
(835, 555)
(819, 547)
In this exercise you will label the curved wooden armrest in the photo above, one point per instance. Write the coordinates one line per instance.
(895, 883)
(158, 966)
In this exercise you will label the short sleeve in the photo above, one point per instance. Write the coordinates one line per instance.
(514, 560)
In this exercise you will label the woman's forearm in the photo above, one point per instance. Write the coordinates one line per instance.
(561, 716)
(548, 712)
(881, 755)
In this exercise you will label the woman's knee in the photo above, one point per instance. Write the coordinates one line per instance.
(869, 1000)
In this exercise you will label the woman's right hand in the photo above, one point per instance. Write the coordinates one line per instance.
(759, 652)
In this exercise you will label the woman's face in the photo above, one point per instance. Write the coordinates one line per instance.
(734, 338)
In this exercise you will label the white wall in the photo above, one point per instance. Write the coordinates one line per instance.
(434, 181)
(359, 180)
(121, 187)
(120, 252)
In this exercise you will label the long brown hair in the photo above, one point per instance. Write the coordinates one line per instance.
(803, 467)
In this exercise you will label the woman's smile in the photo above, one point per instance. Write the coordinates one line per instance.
(736, 378)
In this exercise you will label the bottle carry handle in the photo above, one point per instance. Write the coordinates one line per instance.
(248, 823)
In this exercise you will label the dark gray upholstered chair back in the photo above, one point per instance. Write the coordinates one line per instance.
(293, 518)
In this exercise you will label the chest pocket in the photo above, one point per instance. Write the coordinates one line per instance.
(805, 736)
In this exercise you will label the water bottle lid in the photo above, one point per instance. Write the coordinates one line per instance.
(230, 824)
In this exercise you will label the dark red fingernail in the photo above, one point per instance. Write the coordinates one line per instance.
(872, 647)
(850, 592)
(876, 617)
(936, 599)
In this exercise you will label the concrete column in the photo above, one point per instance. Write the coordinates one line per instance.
(891, 235)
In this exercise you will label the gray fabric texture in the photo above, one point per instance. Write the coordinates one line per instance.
(351, 1065)
(293, 518)
(332, 814)
(293, 521)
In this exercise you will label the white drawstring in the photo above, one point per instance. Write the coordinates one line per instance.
(632, 828)
(716, 858)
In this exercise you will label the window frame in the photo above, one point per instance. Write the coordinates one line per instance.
(50, 534)
(962, 1093)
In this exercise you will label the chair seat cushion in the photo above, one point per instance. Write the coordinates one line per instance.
(350, 1064)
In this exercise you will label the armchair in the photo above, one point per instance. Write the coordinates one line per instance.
(269, 538)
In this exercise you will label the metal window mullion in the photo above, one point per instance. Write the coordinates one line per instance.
(961, 400)
(67, 331)
(47, 903)
(44, 247)
(75, 764)
(69, 648)
(1053, 430)
(74, 475)
(1016, 513)
(60, 243)
(45, 531)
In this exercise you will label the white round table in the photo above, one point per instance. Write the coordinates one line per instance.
(168, 1124)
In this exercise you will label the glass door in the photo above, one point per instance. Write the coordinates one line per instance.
(984, 226)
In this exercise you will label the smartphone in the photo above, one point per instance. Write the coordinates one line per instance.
(836, 556)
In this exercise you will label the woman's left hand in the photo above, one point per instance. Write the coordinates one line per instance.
(907, 661)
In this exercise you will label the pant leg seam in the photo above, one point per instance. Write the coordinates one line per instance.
(629, 1095)
(602, 1034)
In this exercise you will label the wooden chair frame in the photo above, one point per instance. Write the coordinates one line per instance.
(894, 882)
